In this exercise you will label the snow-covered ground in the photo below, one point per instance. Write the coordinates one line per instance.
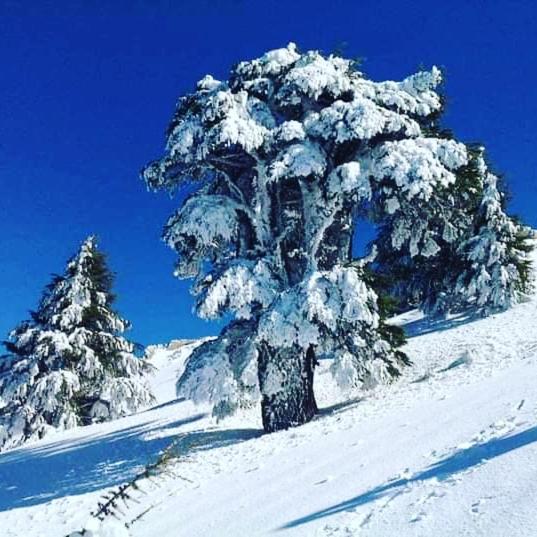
(449, 450)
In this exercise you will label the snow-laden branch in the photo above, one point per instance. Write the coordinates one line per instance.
(287, 151)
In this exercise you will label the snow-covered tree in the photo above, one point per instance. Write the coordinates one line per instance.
(418, 242)
(498, 267)
(474, 256)
(69, 364)
(281, 160)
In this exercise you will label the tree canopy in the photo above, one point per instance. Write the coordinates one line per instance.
(283, 159)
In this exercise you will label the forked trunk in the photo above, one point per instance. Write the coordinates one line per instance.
(286, 382)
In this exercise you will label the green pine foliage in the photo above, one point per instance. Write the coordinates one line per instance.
(69, 364)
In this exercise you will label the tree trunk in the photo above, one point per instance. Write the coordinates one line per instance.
(286, 382)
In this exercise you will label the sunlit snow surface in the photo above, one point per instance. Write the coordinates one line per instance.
(451, 449)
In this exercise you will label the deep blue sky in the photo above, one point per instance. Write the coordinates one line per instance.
(86, 94)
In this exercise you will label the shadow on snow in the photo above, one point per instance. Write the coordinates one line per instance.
(339, 407)
(458, 462)
(31, 476)
(427, 325)
(166, 404)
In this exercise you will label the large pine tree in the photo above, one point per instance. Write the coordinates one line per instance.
(281, 160)
(285, 154)
(69, 365)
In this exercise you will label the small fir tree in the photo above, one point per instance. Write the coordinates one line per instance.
(498, 271)
(459, 251)
(69, 364)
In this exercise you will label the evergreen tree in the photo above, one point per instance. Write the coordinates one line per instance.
(69, 364)
(473, 256)
(498, 267)
(418, 246)
(283, 157)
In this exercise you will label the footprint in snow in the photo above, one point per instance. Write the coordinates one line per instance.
(323, 481)
(425, 500)
(453, 480)
(336, 531)
(475, 508)
(433, 495)
(406, 474)
(418, 517)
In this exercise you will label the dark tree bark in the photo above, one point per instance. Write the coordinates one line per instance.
(293, 403)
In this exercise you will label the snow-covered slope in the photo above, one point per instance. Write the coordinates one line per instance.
(450, 449)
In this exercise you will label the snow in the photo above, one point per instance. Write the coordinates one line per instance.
(494, 252)
(222, 372)
(239, 125)
(414, 95)
(359, 119)
(326, 300)
(312, 75)
(239, 288)
(299, 160)
(449, 449)
(289, 131)
(185, 136)
(206, 218)
(284, 154)
(214, 381)
(339, 295)
(347, 178)
(271, 63)
(417, 166)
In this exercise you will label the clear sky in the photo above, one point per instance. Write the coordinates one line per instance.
(86, 94)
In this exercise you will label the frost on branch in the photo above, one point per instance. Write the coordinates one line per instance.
(416, 167)
(242, 289)
(360, 119)
(209, 219)
(223, 372)
(283, 157)
(298, 160)
(335, 312)
(204, 228)
(69, 365)
(415, 95)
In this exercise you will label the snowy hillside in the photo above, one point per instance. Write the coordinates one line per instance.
(450, 449)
